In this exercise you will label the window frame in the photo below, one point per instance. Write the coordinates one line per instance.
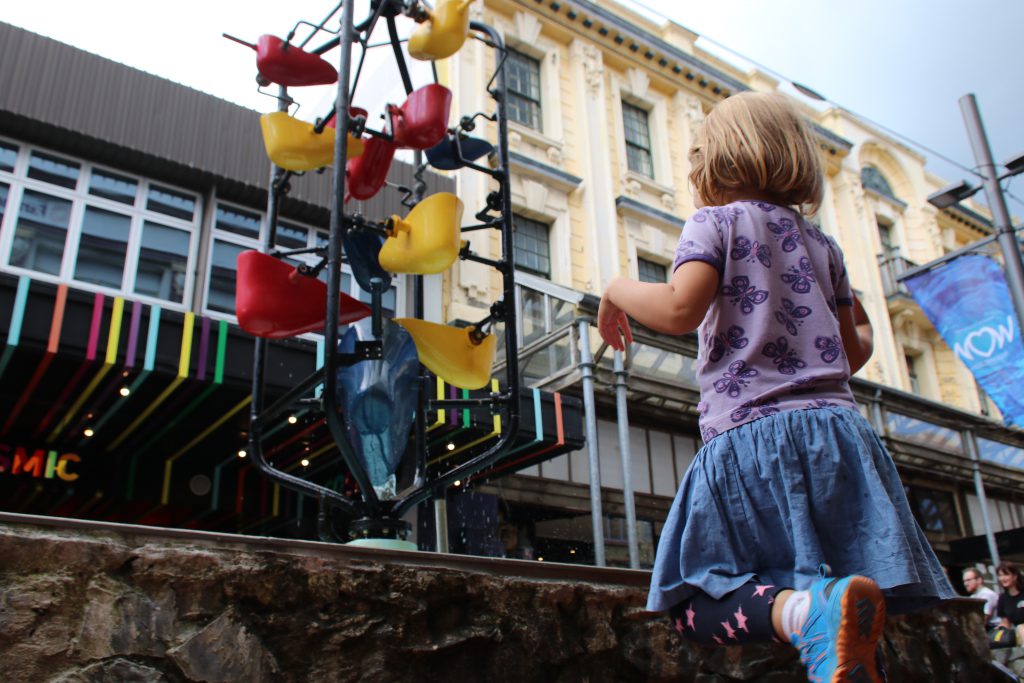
(516, 250)
(630, 144)
(81, 200)
(534, 103)
(645, 263)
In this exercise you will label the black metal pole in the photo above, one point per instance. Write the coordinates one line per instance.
(338, 228)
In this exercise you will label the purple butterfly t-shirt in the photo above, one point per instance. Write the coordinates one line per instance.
(770, 340)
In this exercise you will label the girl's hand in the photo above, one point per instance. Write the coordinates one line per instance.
(613, 325)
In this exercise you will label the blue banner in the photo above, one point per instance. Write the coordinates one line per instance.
(968, 302)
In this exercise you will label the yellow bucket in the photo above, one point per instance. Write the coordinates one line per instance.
(444, 33)
(295, 146)
(426, 241)
(451, 354)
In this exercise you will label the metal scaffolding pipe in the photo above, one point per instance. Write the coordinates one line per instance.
(621, 385)
(441, 523)
(971, 446)
(590, 418)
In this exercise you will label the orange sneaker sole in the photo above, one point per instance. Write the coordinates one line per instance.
(860, 627)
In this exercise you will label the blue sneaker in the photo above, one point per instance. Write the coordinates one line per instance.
(838, 638)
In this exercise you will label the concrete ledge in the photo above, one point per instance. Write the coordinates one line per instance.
(104, 602)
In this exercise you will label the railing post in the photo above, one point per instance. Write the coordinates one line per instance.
(590, 414)
(621, 385)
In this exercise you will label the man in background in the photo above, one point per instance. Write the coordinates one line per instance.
(975, 586)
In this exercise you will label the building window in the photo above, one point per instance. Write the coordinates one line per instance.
(872, 179)
(532, 246)
(885, 236)
(915, 382)
(220, 295)
(8, 155)
(41, 232)
(522, 73)
(77, 223)
(649, 271)
(163, 262)
(638, 140)
(102, 248)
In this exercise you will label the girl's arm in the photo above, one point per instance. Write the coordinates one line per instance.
(676, 307)
(858, 336)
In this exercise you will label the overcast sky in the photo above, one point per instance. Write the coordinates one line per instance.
(902, 64)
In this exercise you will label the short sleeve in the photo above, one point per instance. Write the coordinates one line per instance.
(702, 240)
(840, 276)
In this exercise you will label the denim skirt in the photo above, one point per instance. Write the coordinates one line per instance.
(774, 498)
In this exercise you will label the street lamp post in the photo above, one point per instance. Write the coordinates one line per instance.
(1005, 235)
(1007, 239)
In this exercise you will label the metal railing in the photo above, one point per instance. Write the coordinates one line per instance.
(892, 266)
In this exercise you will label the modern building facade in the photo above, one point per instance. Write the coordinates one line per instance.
(125, 200)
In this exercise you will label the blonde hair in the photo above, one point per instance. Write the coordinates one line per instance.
(756, 142)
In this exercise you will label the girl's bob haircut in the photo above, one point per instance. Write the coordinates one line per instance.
(756, 144)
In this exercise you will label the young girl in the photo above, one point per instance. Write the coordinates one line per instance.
(791, 476)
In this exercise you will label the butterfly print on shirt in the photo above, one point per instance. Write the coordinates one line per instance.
(799, 278)
(787, 232)
(822, 403)
(784, 358)
(743, 248)
(743, 293)
(801, 388)
(764, 406)
(791, 315)
(831, 348)
(735, 379)
(764, 206)
(726, 215)
(726, 342)
(816, 234)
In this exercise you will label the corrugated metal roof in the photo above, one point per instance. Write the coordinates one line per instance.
(68, 99)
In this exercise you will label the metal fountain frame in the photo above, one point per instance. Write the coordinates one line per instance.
(370, 516)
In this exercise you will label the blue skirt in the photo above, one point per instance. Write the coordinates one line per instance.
(776, 497)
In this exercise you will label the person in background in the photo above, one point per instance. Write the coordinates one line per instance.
(1011, 601)
(976, 588)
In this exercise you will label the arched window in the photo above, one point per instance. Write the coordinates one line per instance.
(872, 179)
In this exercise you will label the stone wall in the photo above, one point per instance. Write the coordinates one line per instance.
(108, 603)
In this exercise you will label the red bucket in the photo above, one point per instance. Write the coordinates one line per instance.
(367, 173)
(422, 121)
(272, 300)
(290, 65)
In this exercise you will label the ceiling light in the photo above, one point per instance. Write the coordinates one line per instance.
(124, 391)
(88, 431)
(305, 462)
(241, 453)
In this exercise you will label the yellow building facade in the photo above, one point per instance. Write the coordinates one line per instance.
(597, 68)
(603, 105)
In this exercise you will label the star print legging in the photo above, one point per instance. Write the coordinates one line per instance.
(743, 616)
